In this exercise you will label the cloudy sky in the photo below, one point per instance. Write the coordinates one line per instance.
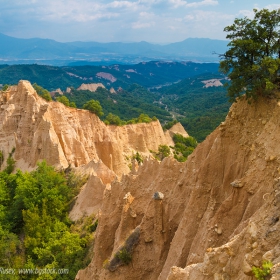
(155, 21)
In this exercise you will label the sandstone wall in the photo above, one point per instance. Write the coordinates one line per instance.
(220, 212)
(66, 136)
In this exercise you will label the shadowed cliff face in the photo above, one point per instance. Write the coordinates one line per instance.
(66, 136)
(219, 213)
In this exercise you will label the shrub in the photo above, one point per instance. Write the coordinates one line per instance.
(5, 87)
(169, 124)
(73, 104)
(138, 157)
(163, 151)
(113, 119)
(124, 256)
(1, 158)
(264, 271)
(184, 146)
(10, 162)
(94, 107)
(64, 100)
(42, 92)
(93, 227)
(144, 118)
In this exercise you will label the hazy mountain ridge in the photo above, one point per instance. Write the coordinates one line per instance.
(14, 50)
(147, 74)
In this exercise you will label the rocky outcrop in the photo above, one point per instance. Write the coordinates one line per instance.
(90, 87)
(175, 129)
(65, 136)
(216, 215)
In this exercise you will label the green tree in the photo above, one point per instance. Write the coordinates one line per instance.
(264, 272)
(1, 158)
(138, 157)
(168, 125)
(113, 119)
(144, 118)
(252, 61)
(163, 151)
(5, 87)
(72, 104)
(64, 100)
(42, 92)
(94, 107)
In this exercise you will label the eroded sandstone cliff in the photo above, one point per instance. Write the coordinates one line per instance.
(212, 217)
(65, 136)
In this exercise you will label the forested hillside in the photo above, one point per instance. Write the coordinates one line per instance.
(127, 104)
(37, 239)
(147, 74)
(166, 90)
(200, 103)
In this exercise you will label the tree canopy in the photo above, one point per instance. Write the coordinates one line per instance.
(252, 61)
(94, 107)
(42, 92)
(35, 231)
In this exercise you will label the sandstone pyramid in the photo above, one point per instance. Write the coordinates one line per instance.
(212, 217)
(65, 136)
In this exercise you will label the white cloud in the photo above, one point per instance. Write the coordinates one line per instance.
(121, 4)
(140, 25)
(146, 15)
(183, 3)
(202, 3)
(247, 13)
(273, 6)
(177, 3)
(207, 16)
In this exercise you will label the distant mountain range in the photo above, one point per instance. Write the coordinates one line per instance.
(46, 51)
(153, 74)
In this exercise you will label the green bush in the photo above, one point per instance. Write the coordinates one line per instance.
(42, 92)
(93, 227)
(35, 230)
(184, 146)
(169, 124)
(73, 104)
(124, 256)
(10, 162)
(94, 107)
(5, 87)
(138, 157)
(262, 273)
(1, 158)
(64, 100)
(163, 151)
(113, 119)
(144, 118)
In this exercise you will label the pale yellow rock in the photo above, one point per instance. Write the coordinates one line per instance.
(63, 136)
(90, 87)
(182, 226)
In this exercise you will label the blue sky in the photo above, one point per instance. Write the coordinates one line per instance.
(155, 21)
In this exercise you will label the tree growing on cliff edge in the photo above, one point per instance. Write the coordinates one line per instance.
(94, 107)
(42, 92)
(252, 61)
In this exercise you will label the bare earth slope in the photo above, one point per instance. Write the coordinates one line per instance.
(65, 136)
(216, 215)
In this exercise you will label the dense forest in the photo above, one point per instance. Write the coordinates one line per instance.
(146, 74)
(164, 90)
(126, 104)
(38, 241)
(200, 109)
